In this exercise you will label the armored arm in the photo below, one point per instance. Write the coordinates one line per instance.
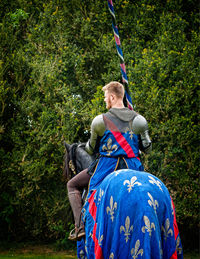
(97, 131)
(140, 127)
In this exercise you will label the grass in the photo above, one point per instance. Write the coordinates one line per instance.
(37, 256)
(36, 252)
(64, 256)
(48, 252)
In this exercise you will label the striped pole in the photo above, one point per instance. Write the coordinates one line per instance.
(120, 54)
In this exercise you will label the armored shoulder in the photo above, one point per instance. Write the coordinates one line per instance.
(98, 125)
(97, 130)
(139, 124)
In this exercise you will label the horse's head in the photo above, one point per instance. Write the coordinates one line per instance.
(76, 159)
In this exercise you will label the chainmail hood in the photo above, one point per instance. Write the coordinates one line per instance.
(123, 114)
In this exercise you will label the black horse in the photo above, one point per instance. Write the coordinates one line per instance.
(76, 159)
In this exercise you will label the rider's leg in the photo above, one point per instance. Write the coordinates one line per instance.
(78, 182)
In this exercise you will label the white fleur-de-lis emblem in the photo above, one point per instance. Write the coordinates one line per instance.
(113, 206)
(127, 229)
(153, 203)
(130, 132)
(82, 254)
(117, 172)
(101, 193)
(156, 182)
(148, 225)
(131, 183)
(167, 230)
(86, 248)
(135, 252)
(100, 239)
(91, 234)
(172, 207)
(111, 256)
(178, 245)
(109, 147)
(161, 251)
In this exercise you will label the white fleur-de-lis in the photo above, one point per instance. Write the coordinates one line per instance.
(127, 229)
(131, 183)
(178, 245)
(82, 254)
(101, 193)
(167, 230)
(100, 239)
(135, 252)
(117, 172)
(113, 206)
(156, 182)
(111, 256)
(91, 234)
(161, 251)
(148, 225)
(153, 203)
(109, 147)
(172, 207)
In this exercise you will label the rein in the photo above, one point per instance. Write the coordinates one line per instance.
(72, 156)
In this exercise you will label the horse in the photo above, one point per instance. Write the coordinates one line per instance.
(129, 215)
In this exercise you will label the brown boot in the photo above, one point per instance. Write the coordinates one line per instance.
(76, 203)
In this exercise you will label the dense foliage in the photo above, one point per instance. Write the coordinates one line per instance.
(55, 56)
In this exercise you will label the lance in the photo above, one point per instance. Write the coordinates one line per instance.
(120, 54)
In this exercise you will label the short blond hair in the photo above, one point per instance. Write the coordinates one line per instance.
(115, 88)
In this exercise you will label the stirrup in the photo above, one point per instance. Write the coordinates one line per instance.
(77, 233)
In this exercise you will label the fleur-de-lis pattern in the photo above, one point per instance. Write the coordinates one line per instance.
(113, 206)
(161, 251)
(172, 208)
(109, 147)
(148, 225)
(166, 229)
(100, 239)
(117, 172)
(156, 182)
(130, 132)
(126, 229)
(138, 214)
(153, 203)
(178, 245)
(132, 183)
(82, 254)
(101, 193)
(135, 252)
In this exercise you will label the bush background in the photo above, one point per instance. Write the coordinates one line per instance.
(55, 56)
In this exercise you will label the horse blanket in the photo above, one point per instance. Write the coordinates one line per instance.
(130, 215)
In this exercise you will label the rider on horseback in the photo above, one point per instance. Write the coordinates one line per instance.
(117, 136)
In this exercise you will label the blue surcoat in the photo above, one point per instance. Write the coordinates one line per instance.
(118, 141)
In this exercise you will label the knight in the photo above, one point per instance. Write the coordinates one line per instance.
(117, 136)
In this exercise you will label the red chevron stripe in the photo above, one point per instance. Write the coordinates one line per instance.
(93, 211)
(124, 144)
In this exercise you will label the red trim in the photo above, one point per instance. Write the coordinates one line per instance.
(174, 256)
(124, 144)
(93, 211)
(92, 206)
(176, 231)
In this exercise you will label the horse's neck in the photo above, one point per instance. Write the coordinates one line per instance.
(83, 159)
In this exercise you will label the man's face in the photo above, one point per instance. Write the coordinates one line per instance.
(107, 99)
